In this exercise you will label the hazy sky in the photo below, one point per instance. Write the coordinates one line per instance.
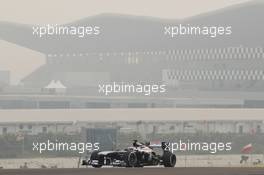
(21, 61)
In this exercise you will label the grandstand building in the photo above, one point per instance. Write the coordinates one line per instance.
(198, 71)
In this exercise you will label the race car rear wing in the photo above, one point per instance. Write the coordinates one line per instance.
(159, 144)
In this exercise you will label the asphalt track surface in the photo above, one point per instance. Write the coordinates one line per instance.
(137, 171)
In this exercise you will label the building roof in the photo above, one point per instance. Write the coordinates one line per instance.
(128, 32)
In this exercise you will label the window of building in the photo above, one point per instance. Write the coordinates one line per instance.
(240, 129)
(172, 128)
(4, 130)
(259, 129)
(30, 126)
(21, 126)
(44, 129)
(155, 129)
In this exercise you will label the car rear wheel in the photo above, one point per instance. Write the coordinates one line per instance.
(169, 159)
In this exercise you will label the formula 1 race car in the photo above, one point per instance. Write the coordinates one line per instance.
(139, 155)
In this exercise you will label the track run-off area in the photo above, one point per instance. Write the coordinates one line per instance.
(137, 171)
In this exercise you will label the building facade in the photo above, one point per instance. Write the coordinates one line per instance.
(142, 127)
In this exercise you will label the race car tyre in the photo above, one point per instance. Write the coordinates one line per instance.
(169, 159)
(138, 165)
(97, 166)
(131, 159)
(94, 156)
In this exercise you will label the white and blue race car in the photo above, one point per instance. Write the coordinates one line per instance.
(139, 155)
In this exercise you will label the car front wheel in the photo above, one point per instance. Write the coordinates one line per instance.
(131, 159)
